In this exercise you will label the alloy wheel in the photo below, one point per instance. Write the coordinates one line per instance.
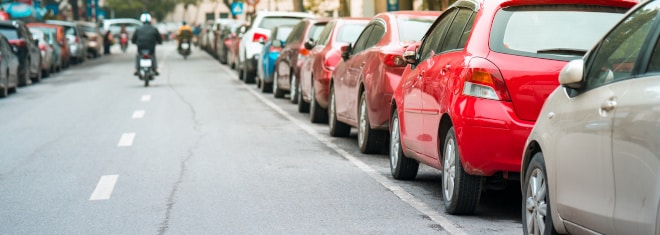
(363, 125)
(395, 144)
(293, 89)
(449, 169)
(535, 203)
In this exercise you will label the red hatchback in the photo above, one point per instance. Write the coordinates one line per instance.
(361, 87)
(475, 87)
(323, 58)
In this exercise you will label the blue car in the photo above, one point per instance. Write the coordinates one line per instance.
(269, 54)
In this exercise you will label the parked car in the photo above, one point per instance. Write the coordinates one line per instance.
(8, 68)
(293, 55)
(224, 38)
(60, 39)
(362, 85)
(27, 51)
(94, 38)
(269, 55)
(472, 92)
(76, 39)
(324, 56)
(250, 46)
(46, 51)
(591, 163)
(114, 25)
(235, 43)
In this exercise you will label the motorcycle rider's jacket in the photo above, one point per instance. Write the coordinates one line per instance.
(146, 37)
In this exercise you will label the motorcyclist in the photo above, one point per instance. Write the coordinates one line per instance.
(146, 37)
(123, 37)
(184, 32)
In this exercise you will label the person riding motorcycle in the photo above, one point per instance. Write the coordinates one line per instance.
(185, 32)
(123, 37)
(146, 37)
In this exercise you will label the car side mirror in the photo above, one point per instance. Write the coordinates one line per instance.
(346, 51)
(571, 75)
(277, 43)
(310, 45)
(410, 57)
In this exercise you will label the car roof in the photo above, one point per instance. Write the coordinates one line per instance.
(283, 13)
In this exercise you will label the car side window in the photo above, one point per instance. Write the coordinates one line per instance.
(456, 31)
(296, 33)
(435, 35)
(654, 61)
(325, 34)
(362, 40)
(618, 53)
(375, 36)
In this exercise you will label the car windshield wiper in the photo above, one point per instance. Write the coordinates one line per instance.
(564, 51)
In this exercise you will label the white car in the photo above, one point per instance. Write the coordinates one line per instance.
(250, 46)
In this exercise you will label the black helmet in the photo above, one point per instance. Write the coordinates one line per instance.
(184, 22)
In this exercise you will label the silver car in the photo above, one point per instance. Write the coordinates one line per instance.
(592, 162)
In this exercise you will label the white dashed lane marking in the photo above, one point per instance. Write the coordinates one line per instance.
(126, 139)
(104, 188)
(138, 114)
(146, 98)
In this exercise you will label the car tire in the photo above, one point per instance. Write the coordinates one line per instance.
(241, 75)
(293, 88)
(536, 213)
(277, 92)
(266, 87)
(248, 77)
(24, 77)
(460, 191)
(317, 114)
(303, 107)
(337, 128)
(39, 76)
(401, 167)
(4, 91)
(369, 140)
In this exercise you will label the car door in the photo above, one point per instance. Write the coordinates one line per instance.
(635, 149)
(357, 69)
(343, 84)
(412, 124)
(445, 71)
(586, 181)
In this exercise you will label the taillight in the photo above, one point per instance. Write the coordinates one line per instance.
(77, 40)
(42, 47)
(483, 79)
(17, 42)
(256, 37)
(146, 56)
(275, 49)
(393, 60)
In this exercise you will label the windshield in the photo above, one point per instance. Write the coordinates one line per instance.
(413, 29)
(10, 33)
(555, 32)
(271, 22)
(348, 33)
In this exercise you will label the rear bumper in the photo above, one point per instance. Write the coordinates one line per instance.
(491, 138)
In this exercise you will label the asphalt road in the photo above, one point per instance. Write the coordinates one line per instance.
(92, 151)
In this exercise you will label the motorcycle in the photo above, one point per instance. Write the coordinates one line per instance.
(146, 72)
(123, 41)
(184, 49)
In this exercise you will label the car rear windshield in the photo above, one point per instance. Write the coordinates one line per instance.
(10, 33)
(283, 32)
(560, 32)
(413, 29)
(272, 21)
(348, 33)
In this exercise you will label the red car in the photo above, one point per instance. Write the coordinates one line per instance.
(474, 89)
(234, 43)
(61, 38)
(362, 85)
(315, 73)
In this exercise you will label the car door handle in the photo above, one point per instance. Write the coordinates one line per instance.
(608, 105)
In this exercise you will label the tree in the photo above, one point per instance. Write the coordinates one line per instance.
(344, 8)
(314, 6)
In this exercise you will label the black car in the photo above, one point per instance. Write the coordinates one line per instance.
(8, 68)
(26, 49)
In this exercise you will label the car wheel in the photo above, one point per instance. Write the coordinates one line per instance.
(24, 79)
(277, 92)
(266, 87)
(401, 167)
(369, 140)
(241, 75)
(247, 76)
(337, 128)
(303, 107)
(460, 191)
(4, 91)
(317, 114)
(536, 214)
(293, 88)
